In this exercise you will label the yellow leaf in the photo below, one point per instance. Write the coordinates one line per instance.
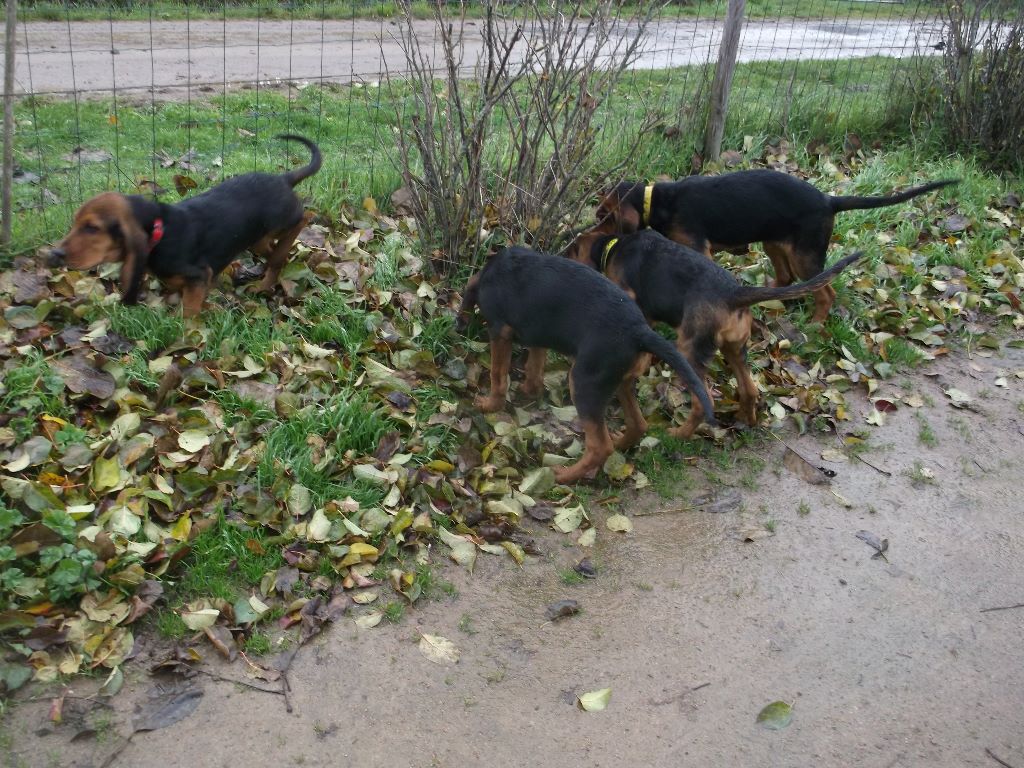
(192, 440)
(370, 204)
(369, 620)
(364, 550)
(182, 528)
(596, 701)
(463, 550)
(619, 523)
(439, 650)
(200, 619)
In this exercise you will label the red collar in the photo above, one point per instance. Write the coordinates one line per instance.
(157, 235)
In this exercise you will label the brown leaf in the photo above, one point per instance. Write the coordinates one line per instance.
(561, 609)
(184, 183)
(388, 446)
(166, 707)
(45, 636)
(148, 592)
(222, 640)
(81, 377)
(799, 466)
(30, 287)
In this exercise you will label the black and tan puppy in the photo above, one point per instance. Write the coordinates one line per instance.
(792, 219)
(188, 243)
(552, 303)
(676, 285)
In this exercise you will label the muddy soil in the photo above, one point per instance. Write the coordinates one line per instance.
(887, 662)
(174, 60)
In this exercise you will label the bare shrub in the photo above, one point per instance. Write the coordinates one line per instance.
(498, 119)
(975, 91)
(984, 67)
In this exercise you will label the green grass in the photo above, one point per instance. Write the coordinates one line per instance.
(221, 564)
(925, 433)
(346, 420)
(169, 624)
(29, 389)
(234, 133)
(902, 353)
(258, 643)
(394, 611)
(571, 577)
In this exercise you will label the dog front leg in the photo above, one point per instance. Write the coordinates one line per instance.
(501, 361)
(533, 386)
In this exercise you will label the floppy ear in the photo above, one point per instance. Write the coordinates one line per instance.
(616, 216)
(626, 217)
(469, 299)
(135, 247)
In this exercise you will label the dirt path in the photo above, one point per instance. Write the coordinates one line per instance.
(887, 663)
(173, 58)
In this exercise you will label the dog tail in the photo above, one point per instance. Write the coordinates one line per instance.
(749, 295)
(652, 342)
(853, 202)
(293, 177)
(469, 297)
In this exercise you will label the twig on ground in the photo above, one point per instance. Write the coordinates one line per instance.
(286, 688)
(1002, 608)
(678, 696)
(1002, 762)
(116, 753)
(669, 511)
(877, 469)
(235, 680)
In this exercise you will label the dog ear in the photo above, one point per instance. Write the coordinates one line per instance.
(135, 249)
(626, 217)
(616, 216)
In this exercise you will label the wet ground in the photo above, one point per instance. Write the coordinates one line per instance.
(887, 662)
(178, 60)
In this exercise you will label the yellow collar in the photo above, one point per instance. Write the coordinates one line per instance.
(645, 220)
(607, 253)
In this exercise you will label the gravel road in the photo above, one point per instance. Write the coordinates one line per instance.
(175, 59)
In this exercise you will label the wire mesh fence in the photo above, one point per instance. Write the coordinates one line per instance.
(169, 97)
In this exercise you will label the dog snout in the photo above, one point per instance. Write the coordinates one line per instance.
(56, 257)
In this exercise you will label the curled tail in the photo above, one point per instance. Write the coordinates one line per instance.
(746, 296)
(293, 177)
(852, 202)
(652, 342)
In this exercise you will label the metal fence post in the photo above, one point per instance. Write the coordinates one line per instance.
(723, 80)
(8, 162)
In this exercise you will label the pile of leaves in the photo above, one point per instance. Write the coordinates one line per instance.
(328, 434)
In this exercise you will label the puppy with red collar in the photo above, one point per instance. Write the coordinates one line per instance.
(187, 244)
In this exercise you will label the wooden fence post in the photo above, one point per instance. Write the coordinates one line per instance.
(7, 180)
(723, 80)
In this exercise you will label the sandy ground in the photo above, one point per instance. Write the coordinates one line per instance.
(886, 663)
(176, 60)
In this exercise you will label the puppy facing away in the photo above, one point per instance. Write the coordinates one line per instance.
(792, 219)
(548, 302)
(188, 243)
(705, 304)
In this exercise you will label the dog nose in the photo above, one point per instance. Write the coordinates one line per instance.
(56, 257)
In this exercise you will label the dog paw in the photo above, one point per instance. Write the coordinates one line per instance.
(531, 391)
(625, 440)
(683, 432)
(489, 404)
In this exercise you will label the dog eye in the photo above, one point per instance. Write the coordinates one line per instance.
(89, 229)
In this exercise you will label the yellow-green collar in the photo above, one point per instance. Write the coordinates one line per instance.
(607, 253)
(645, 220)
